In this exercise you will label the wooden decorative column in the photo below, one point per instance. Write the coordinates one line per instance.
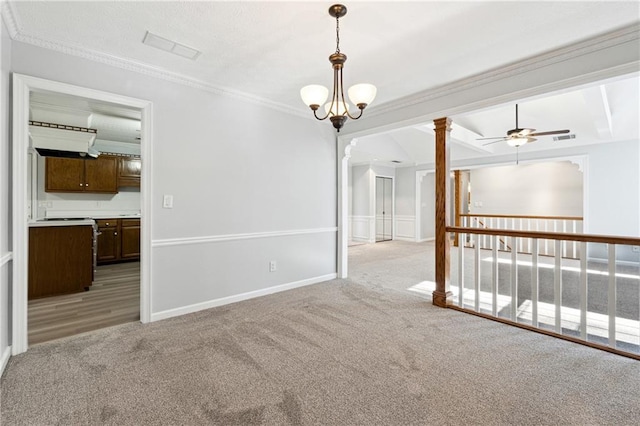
(442, 296)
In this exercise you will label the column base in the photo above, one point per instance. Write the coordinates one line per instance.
(442, 298)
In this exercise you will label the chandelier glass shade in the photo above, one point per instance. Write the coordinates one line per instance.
(337, 109)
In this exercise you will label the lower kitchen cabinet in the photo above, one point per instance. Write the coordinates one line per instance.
(130, 238)
(60, 260)
(118, 240)
(108, 246)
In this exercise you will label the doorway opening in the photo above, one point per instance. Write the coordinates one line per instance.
(116, 292)
(384, 209)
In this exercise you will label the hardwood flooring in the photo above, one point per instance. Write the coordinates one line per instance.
(114, 298)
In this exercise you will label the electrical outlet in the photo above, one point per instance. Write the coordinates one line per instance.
(272, 266)
(167, 202)
(635, 249)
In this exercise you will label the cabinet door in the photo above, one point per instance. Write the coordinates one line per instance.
(129, 170)
(108, 242)
(101, 175)
(64, 175)
(130, 239)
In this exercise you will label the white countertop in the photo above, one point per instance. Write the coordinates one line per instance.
(116, 216)
(78, 222)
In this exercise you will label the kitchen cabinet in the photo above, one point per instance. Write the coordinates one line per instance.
(60, 260)
(118, 240)
(77, 175)
(129, 171)
(130, 238)
(108, 247)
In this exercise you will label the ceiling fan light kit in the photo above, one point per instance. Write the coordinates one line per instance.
(360, 95)
(518, 137)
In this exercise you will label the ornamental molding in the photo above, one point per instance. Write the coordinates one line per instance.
(17, 34)
(611, 39)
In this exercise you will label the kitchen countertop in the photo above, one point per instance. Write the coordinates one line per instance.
(72, 222)
(116, 216)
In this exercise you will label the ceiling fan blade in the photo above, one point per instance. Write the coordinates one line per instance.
(490, 143)
(552, 132)
(486, 139)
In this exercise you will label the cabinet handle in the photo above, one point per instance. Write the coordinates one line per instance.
(115, 233)
(107, 224)
(86, 184)
(81, 185)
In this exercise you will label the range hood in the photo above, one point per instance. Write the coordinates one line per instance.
(55, 140)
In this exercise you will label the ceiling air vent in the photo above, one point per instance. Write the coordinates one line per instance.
(564, 137)
(396, 161)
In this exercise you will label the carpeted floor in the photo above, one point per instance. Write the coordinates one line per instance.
(344, 352)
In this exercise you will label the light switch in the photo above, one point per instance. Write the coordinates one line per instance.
(167, 202)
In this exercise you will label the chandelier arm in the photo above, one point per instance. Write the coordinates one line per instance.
(343, 101)
(318, 118)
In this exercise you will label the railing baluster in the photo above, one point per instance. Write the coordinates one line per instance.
(546, 249)
(564, 243)
(575, 243)
(494, 277)
(534, 282)
(583, 290)
(514, 279)
(476, 276)
(611, 310)
(557, 287)
(460, 269)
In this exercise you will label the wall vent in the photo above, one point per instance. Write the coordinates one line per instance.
(564, 137)
(396, 161)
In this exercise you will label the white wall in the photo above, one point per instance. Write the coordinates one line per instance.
(361, 215)
(5, 204)
(250, 185)
(405, 218)
(428, 207)
(538, 189)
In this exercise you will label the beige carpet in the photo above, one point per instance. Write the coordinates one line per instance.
(345, 352)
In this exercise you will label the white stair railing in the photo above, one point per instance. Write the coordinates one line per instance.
(554, 296)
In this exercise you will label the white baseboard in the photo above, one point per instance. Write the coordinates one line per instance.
(403, 238)
(238, 297)
(4, 359)
(424, 240)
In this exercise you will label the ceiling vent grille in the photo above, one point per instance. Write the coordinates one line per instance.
(564, 137)
(170, 46)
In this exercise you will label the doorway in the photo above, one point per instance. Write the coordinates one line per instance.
(384, 209)
(24, 87)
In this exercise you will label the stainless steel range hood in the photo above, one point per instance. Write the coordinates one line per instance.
(52, 140)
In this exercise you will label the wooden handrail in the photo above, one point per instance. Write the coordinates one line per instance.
(515, 216)
(588, 238)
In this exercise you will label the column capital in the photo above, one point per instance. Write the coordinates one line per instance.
(443, 123)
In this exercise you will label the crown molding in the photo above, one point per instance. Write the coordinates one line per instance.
(562, 54)
(9, 17)
(12, 22)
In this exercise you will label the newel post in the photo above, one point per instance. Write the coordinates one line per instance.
(442, 296)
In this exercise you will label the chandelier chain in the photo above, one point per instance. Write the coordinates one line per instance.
(337, 35)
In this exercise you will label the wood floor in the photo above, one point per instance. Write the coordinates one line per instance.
(114, 298)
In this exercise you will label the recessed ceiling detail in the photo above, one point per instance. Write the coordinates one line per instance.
(170, 46)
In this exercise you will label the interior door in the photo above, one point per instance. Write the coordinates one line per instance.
(384, 209)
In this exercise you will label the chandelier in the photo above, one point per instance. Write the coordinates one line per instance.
(360, 95)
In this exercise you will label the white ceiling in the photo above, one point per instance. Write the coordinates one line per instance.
(269, 50)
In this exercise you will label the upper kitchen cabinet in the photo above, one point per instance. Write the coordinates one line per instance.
(129, 169)
(75, 175)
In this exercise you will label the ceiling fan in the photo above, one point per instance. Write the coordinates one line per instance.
(518, 137)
